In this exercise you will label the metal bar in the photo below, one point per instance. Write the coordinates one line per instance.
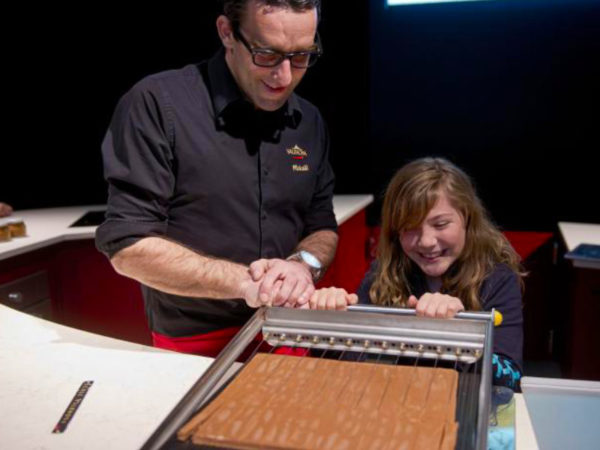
(370, 322)
(461, 416)
(485, 386)
(205, 384)
(472, 406)
(477, 315)
(388, 341)
(379, 325)
(285, 335)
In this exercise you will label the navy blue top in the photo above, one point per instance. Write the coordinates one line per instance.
(187, 157)
(500, 290)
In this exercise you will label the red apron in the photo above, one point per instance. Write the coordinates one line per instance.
(211, 344)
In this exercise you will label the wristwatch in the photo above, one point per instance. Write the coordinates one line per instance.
(314, 265)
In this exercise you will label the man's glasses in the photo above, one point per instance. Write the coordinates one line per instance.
(265, 57)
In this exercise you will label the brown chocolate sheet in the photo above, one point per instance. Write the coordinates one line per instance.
(289, 402)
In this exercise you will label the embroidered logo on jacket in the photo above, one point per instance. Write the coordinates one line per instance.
(300, 167)
(298, 154)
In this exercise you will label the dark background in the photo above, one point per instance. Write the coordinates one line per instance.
(507, 89)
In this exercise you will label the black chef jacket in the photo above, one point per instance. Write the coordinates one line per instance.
(187, 158)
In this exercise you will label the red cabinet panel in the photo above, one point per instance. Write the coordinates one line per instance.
(94, 297)
(350, 263)
(88, 294)
(85, 291)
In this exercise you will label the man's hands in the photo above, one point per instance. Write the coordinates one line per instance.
(282, 283)
(249, 291)
(436, 305)
(275, 282)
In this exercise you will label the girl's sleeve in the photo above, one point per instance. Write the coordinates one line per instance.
(502, 291)
(365, 285)
(505, 372)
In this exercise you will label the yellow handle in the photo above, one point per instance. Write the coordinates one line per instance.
(497, 318)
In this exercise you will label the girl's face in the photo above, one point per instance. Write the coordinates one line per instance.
(438, 241)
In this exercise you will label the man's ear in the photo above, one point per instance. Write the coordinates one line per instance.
(225, 31)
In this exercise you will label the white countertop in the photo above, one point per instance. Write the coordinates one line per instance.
(50, 226)
(579, 233)
(345, 206)
(42, 365)
(46, 227)
(524, 435)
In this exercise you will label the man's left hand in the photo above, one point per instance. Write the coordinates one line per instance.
(296, 286)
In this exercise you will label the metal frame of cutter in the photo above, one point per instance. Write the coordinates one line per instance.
(368, 329)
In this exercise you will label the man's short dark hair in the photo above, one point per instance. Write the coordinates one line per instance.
(234, 9)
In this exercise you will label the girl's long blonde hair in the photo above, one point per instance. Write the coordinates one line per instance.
(409, 197)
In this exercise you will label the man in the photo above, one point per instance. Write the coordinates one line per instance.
(217, 166)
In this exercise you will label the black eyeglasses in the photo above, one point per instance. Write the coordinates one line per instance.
(266, 57)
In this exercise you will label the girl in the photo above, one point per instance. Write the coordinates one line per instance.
(440, 254)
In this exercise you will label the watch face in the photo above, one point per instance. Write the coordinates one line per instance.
(310, 259)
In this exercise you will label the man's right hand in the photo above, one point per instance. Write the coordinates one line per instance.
(282, 283)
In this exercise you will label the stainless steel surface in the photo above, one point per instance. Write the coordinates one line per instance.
(390, 334)
(349, 331)
(486, 383)
(477, 315)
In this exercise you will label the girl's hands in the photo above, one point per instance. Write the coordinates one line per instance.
(436, 305)
(332, 298)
